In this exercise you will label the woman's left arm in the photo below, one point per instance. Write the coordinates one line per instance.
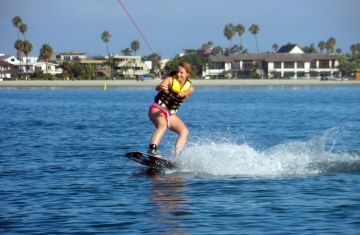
(187, 93)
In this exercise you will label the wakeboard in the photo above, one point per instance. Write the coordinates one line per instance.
(150, 161)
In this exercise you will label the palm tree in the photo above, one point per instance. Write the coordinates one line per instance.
(23, 29)
(26, 49)
(126, 51)
(46, 52)
(17, 21)
(321, 46)
(310, 49)
(105, 37)
(229, 32)
(18, 46)
(355, 48)
(240, 29)
(275, 47)
(135, 45)
(338, 51)
(254, 29)
(217, 50)
(330, 44)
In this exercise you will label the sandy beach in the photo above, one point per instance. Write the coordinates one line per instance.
(150, 83)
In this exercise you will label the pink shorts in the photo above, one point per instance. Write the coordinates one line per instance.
(163, 110)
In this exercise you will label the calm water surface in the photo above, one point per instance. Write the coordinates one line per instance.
(259, 160)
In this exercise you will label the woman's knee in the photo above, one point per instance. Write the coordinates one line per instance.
(183, 132)
(162, 127)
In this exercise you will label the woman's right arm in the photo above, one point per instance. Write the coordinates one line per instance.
(164, 85)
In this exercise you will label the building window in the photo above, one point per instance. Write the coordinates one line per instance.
(277, 65)
(235, 66)
(217, 65)
(289, 65)
(300, 65)
(324, 64)
(313, 64)
(247, 65)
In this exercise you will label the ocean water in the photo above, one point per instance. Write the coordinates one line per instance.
(259, 160)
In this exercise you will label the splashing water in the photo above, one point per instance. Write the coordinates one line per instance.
(297, 158)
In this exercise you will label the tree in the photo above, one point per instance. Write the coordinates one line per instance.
(207, 48)
(126, 51)
(348, 64)
(275, 47)
(240, 29)
(135, 46)
(207, 45)
(105, 37)
(254, 29)
(321, 46)
(355, 48)
(330, 45)
(23, 29)
(310, 49)
(46, 52)
(18, 46)
(26, 49)
(17, 21)
(217, 50)
(338, 51)
(26, 45)
(156, 62)
(198, 63)
(229, 32)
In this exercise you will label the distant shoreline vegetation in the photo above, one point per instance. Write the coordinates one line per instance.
(199, 58)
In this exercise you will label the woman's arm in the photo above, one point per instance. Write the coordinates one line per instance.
(164, 85)
(187, 93)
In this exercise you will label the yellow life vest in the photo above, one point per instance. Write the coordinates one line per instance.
(171, 99)
(176, 87)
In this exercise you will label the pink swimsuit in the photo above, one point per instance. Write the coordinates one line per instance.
(163, 110)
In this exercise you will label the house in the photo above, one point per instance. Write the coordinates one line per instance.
(290, 49)
(18, 66)
(29, 65)
(289, 61)
(122, 65)
(6, 70)
(130, 65)
(46, 68)
(70, 56)
(10, 59)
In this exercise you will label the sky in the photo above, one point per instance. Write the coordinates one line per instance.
(170, 26)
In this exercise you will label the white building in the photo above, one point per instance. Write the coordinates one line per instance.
(289, 62)
(70, 56)
(6, 69)
(29, 65)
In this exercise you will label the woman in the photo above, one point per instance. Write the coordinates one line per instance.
(173, 90)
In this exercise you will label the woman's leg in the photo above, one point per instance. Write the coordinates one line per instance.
(179, 127)
(160, 123)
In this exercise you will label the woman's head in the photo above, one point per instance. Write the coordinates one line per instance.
(184, 70)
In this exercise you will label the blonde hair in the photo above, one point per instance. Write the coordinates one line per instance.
(187, 67)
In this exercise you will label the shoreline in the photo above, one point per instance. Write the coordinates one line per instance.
(150, 83)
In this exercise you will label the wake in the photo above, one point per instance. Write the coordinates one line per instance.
(297, 158)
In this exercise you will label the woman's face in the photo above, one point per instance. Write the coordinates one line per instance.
(182, 73)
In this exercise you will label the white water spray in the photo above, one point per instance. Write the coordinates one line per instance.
(297, 158)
